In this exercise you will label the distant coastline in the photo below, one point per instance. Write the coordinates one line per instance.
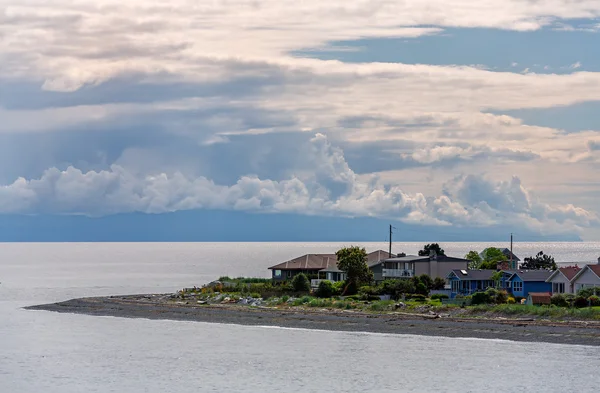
(161, 306)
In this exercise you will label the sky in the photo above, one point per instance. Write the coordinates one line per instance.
(448, 119)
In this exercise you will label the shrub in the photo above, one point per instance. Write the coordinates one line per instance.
(300, 283)
(421, 289)
(481, 298)
(338, 287)
(594, 300)
(439, 283)
(395, 288)
(439, 296)
(580, 302)
(510, 300)
(426, 280)
(255, 295)
(570, 299)
(497, 296)
(416, 297)
(559, 300)
(587, 292)
(325, 289)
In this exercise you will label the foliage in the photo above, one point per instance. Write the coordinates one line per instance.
(580, 302)
(325, 289)
(421, 289)
(541, 311)
(431, 247)
(244, 280)
(540, 262)
(439, 296)
(395, 288)
(498, 296)
(438, 283)
(353, 262)
(497, 278)
(510, 300)
(426, 280)
(338, 287)
(300, 283)
(480, 298)
(491, 257)
(594, 301)
(474, 260)
(559, 300)
(587, 292)
(417, 297)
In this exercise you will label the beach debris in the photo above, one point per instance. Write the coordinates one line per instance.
(399, 305)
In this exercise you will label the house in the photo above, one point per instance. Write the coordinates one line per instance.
(539, 298)
(588, 277)
(465, 282)
(522, 282)
(561, 279)
(413, 265)
(317, 267)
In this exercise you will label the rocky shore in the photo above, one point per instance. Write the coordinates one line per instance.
(164, 306)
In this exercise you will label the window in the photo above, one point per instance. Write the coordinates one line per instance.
(455, 285)
(277, 273)
(558, 287)
(517, 286)
(289, 273)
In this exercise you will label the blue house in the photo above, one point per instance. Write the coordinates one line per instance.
(467, 282)
(522, 282)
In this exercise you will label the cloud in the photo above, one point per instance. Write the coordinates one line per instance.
(575, 66)
(467, 201)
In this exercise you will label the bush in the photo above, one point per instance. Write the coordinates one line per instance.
(426, 280)
(587, 292)
(594, 300)
(511, 300)
(421, 289)
(325, 289)
(439, 296)
(300, 283)
(338, 287)
(580, 302)
(439, 283)
(481, 298)
(559, 300)
(395, 288)
(497, 296)
(416, 297)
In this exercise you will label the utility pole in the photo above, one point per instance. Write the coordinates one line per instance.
(390, 241)
(511, 252)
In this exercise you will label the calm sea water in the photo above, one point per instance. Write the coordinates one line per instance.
(51, 352)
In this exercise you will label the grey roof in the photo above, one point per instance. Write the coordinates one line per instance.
(408, 258)
(532, 275)
(473, 274)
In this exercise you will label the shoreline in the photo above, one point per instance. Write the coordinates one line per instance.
(155, 307)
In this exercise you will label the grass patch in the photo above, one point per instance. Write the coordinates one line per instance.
(553, 312)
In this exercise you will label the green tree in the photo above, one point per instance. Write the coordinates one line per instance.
(353, 262)
(300, 283)
(431, 247)
(540, 262)
(474, 259)
(497, 278)
(439, 283)
(491, 257)
(426, 280)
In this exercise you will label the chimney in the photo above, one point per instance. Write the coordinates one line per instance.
(598, 260)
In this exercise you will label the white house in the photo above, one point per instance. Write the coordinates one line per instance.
(561, 279)
(588, 277)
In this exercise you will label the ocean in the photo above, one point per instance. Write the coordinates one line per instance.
(51, 352)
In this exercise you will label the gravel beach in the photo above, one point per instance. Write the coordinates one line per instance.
(158, 307)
